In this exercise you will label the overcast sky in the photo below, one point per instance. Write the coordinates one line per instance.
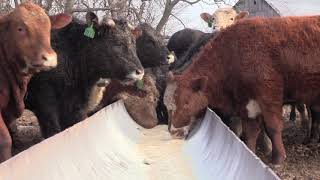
(191, 16)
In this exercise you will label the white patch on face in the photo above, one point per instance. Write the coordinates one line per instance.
(170, 59)
(253, 109)
(134, 76)
(223, 18)
(168, 97)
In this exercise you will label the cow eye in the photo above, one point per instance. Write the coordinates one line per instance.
(21, 29)
(231, 19)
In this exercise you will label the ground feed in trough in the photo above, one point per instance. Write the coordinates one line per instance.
(110, 145)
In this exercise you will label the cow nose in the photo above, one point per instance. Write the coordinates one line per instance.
(170, 59)
(138, 72)
(49, 59)
(136, 75)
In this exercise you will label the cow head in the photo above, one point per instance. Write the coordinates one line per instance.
(186, 101)
(223, 17)
(27, 32)
(141, 104)
(151, 49)
(112, 49)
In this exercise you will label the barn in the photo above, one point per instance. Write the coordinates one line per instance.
(269, 8)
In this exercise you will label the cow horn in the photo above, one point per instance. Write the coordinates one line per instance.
(131, 26)
(110, 23)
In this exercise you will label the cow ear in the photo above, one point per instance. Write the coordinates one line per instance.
(137, 32)
(60, 20)
(241, 15)
(92, 19)
(206, 17)
(199, 84)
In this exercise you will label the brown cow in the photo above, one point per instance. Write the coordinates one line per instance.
(249, 70)
(141, 103)
(24, 49)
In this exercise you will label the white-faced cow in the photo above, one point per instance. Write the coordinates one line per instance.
(268, 61)
(223, 17)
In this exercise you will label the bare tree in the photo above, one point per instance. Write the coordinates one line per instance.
(155, 12)
(168, 8)
(69, 6)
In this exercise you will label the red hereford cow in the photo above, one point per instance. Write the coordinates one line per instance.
(24, 49)
(249, 70)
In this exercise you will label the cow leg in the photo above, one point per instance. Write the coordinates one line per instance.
(293, 113)
(303, 116)
(251, 130)
(5, 141)
(48, 121)
(305, 122)
(274, 125)
(235, 125)
(45, 106)
(307, 125)
(264, 142)
(315, 128)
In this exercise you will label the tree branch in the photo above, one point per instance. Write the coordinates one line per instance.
(184, 26)
(190, 2)
(93, 9)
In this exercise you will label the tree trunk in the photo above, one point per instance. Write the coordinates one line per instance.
(69, 6)
(166, 14)
(16, 3)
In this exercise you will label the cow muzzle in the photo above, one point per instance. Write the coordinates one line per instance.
(45, 61)
(179, 133)
(170, 58)
(136, 75)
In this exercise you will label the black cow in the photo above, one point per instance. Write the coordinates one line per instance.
(180, 41)
(154, 56)
(60, 97)
(151, 49)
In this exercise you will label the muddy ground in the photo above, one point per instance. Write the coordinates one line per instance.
(302, 163)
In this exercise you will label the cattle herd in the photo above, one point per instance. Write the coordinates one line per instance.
(246, 69)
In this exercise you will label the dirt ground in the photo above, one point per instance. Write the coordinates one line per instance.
(302, 163)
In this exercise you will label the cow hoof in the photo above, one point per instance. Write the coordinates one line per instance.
(306, 141)
(278, 159)
(313, 141)
(276, 166)
(266, 149)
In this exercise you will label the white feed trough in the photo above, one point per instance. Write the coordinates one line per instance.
(111, 146)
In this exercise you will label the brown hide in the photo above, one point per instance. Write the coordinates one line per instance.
(140, 104)
(265, 60)
(24, 49)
